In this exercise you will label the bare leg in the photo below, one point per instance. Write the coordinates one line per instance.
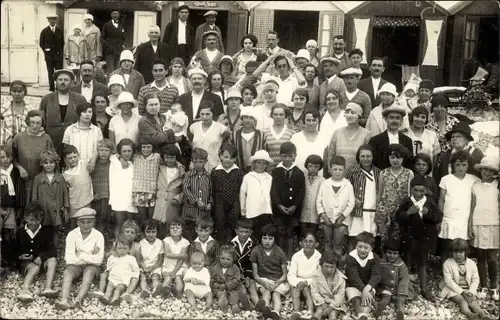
(223, 301)
(463, 306)
(144, 282)
(309, 301)
(155, 280)
(31, 273)
(296, 299)
(209, 298)
(51, 272)
(103, 279)
(191, 298)
(68, 278)
(179, 285)
(117, 293)
(110, 288)
(252, 290)
(87, 279)
(133, 284)
(276, 301)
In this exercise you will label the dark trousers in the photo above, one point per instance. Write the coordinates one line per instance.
(52, 66)
(112, 62)
(225, 219)
(257, 224)
(182, 52)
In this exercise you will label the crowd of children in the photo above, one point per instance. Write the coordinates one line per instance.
(230, 237)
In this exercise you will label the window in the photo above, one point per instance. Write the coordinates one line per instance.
(471, 35)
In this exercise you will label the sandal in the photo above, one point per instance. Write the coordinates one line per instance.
(494, 295)
(26, 297)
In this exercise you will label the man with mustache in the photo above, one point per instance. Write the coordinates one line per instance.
(353, 94)
(332, 81)
(209, 25)
(88, 87)
(339, 52)
(113, 40)
(393, 116)
(59, 107)
(372, 84)
(190, 101)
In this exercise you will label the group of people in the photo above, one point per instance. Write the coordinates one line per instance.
(215, 177)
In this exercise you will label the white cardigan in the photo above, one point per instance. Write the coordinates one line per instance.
(336, 204)
(255, 194)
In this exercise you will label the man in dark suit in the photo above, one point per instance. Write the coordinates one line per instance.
(179, 36)
(374, 82)
(149, 51)
(88, 87)
(52, 44)
(209, 25)
(393, 116)
(190, 101)
(113, 40)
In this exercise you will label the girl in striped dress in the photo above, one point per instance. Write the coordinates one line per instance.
(197, 192)
(277, 134)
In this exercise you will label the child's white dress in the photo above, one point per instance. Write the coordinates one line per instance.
(486, 216)
(199, 290)
(150, 252)
(457, 204)
(122, 269)
(210, 140)
(175, 248)
(80, 189)
(120, 186)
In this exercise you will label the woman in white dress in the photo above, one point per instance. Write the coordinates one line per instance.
(424, 140)
(334, 115)
(263, 110)
(277, 134)
(126, 123)
(209, 134)
(309, 141)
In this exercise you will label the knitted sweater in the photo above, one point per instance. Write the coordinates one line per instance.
(226, 185)
(358, 276)
(167, 97)
(146, 173)
(39, 246)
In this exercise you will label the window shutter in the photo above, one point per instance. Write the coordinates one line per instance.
(263, 21)
(331, 23)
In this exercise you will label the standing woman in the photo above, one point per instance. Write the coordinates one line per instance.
(232, 117)
(295, 117)
(333, 118)
(364, 177)
(92, 35)
(346, 141)
(312, 47)
(277, 134)
(249, 94)
(424, 140)
(177, 76)
(125, 125)
(248, 43)
(311, 74)
(214, 84)
(13, 112)
(100, 118)
(309, 141)
(27, 146)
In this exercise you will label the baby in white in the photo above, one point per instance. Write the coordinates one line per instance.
(177, 120)
(197, 281)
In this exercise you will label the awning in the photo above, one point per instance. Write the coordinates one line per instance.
(396, 22)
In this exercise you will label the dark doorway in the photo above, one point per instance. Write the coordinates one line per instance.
(488, 41)
(399, 46)
(295, 28)
(126, 18)
(196, 18)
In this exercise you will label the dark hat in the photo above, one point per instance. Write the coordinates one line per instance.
(391, 244)
(418, 180)
(461, 127)
(245, 223)
(426, 84)
(440, 99)
(184, 6)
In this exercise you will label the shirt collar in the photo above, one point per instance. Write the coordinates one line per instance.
(233, 167)
(208, 240)
(302, 254)
(153, 85)
(331, 78)
(184, 23)
(237, 240)
(91, 84)
(280, 165)
(362, 262)
(31, 233)
(57, 177)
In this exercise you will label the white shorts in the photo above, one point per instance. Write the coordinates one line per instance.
(157, 271)
(283, 288)
(199, 291)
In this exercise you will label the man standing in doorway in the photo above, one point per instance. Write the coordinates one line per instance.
(179, 36)
(209, 25)
(149, 51)
(52, 44)
(113, 40)
(374, 83)
(339, 52)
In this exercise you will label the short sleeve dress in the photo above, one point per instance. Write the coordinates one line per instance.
(210, 140)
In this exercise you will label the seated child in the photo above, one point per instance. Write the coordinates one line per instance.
(197, 281)
(243, 244)
(394, 281)
(418, 217)
(225, 280)
(204, 242)
(175, 248)
(122, 267)
(36, 251)
(328, 289)
(304, 265)
(363, 275)
(461, 281)
(269, 267)
(83, 257)
(150, 258)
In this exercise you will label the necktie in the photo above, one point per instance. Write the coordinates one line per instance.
(86, 85)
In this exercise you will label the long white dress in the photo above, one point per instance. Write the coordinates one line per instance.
(120, 186)
(305, 148)
(209, 140)
(327, 126)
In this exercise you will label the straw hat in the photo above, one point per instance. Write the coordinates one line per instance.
(303, 53)
(261, 155)
(197, 71)
(489, 162)
(350, 71)
(233, 93)
(116, 79)
(125, 97)
(396, 107)
(390, 88)
(126, 55)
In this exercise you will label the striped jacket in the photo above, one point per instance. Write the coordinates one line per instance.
(258, 143)
(358, 181)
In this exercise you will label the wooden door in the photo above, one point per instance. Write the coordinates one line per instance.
(142, 21)
(4, 41)
(471, 37)
(22, 41)
(236, 29)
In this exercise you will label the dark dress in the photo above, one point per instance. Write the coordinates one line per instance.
(105, 128)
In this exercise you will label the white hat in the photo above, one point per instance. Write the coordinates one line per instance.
(84, 213)
(233, 92)
(390, 88)
(303, 53)
(126, 55)
(116, 79)
(395, 107)
(350, 71)
(52, 15)
(489, 162)
(197, 71)
(311, 42)
(125, 97)
(88, 16)
(331, 59)
(210, 13)
(261, 155)
(247, 111)
(354, 107)
(77, 26)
